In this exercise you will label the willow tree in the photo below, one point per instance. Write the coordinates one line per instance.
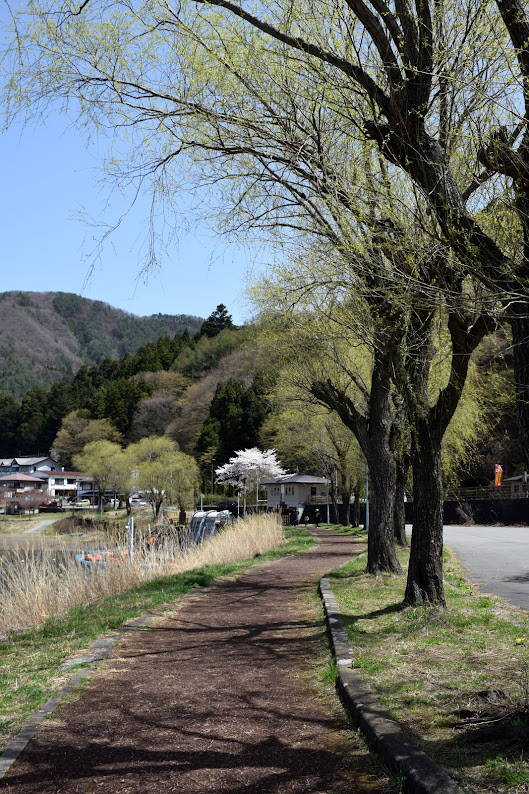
(268, 106)
(402, 393)
(311, 439)
(335, 353)
(99, 460)
(245, 97)
(162, 472)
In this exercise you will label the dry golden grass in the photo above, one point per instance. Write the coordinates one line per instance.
(36, 584)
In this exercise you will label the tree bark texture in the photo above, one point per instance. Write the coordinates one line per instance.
(374, 436)
(425, 571)
(343, 513)
(382, 555)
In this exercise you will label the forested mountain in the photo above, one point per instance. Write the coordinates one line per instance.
(166, 387)
(224, 388)
(49, 336)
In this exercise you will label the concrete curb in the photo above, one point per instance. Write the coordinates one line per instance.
(422, 775)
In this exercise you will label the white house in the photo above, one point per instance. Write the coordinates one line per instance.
(67, 485)
(518, 485)
(294, 491)
(53, 484)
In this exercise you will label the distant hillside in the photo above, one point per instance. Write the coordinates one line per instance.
(47, 336)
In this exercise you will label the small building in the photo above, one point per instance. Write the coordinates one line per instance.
(21, 483)
(67, 485)
(294, 491)
(519, 489)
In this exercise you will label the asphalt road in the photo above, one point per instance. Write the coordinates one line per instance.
(495, 557)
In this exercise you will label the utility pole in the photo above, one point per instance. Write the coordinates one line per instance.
(367, 501)
(212, 462)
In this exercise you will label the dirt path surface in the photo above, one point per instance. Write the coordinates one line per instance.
(40, 527)
(220, 696)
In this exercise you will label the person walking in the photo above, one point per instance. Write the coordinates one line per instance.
(317, 517)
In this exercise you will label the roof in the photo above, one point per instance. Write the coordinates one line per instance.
(76, 475)
(25, 461)
(299, 478)
(16, 477)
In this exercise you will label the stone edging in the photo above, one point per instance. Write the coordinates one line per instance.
(100, 650)
(422, 775)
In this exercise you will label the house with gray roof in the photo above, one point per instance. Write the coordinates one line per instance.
(27, 465)
(294, 491)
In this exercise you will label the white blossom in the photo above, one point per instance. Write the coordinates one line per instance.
(248, 466)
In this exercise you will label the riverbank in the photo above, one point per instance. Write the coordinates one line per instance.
(30, 661)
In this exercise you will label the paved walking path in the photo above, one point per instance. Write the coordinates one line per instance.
(220, 696)
(40, 527)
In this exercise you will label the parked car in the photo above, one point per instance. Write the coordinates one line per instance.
(53, 506)
(83, 503)
(115, 503)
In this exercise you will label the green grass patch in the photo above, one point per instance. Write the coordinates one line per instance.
(30, 661)
(13, 525)
(456, 679)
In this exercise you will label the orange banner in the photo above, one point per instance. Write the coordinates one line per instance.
(498, 474)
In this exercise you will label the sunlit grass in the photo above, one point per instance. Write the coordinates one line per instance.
(435, 669)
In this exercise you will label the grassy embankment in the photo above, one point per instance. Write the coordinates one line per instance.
(457, 679)
(16, 524)
(75, 606)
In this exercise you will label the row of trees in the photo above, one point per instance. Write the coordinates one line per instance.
(155, 466)
(383, 145)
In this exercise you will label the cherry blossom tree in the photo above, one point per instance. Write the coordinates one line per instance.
(248, 466)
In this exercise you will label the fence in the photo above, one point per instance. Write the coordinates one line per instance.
(481, 511)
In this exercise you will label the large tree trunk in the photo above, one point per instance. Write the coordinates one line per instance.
(356, 507)
(343, 511)
(345, 488)
(429, 423)
(425, 570)
(335, 505)
(373, 433)
(382, 555)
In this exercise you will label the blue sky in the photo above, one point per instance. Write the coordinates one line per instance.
(48, 176)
